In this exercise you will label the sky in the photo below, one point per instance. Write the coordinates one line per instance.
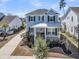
(22, 7)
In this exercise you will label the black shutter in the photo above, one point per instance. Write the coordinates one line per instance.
(54, 18)
(55, 31)
(42, 18)
(46, 31)
(48, 18)
(34, 18)
(29, 18)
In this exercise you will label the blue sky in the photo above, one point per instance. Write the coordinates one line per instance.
(21, 7)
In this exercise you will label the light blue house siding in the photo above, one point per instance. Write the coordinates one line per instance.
(44, 16)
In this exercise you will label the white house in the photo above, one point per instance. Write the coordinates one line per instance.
(70, 21)
(13, 22)
(45, 23)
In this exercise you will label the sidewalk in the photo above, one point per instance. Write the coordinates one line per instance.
(7, 49)
(27, 57)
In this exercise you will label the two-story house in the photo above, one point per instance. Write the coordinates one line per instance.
(71, 20)
(45, 23)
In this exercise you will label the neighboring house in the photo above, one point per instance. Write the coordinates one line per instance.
(1, 16)
(44, 23)
(13, 22)
(70, 21)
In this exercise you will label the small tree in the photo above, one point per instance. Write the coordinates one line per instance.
(27, 39)
(4, 26)
(41, 49)
(23, 25)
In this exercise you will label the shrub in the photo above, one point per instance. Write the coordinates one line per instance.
(40, 49)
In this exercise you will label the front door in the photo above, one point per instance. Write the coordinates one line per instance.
(41, 35)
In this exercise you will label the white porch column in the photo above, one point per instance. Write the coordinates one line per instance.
(45, 33)
(34, 35)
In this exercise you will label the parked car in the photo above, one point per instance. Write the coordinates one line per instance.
(1, 32)
(10, 32)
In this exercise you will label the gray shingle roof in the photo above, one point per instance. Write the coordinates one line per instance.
(40, 12)
(7, 20)
(75, 9)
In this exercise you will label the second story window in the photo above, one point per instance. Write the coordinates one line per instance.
(71, 29)
(72, 18)
(39, 18)
(31, 18)
(51, 18)
(42, 18)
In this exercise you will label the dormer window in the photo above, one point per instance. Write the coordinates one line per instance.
(72, 18)
(51, 18)
(31, 18)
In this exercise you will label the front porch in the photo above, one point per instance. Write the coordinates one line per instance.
(46, 32)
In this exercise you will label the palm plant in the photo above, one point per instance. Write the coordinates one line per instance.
(62, 4)
(40, 49)
(4, 26)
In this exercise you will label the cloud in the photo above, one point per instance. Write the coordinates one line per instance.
(20, 13)
(36, 3)
(3, 7)
(3, 1)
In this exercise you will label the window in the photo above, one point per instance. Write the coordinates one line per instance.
(51, 18)
(71, 29)
(39, 18)
(54, 31)
(48, 31)
(76, 29)
(42, 18)
(67, 17)
(72, 18)
(31, 18)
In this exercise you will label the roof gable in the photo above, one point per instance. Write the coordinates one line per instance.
(51, 12)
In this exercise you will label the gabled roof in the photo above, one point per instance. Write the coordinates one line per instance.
(74, 9)
(7, 20)
(40, 12)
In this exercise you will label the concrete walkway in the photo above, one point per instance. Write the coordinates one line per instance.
(27, 57)
(7, 49)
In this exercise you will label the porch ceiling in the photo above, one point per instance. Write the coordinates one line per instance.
(47, 25)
